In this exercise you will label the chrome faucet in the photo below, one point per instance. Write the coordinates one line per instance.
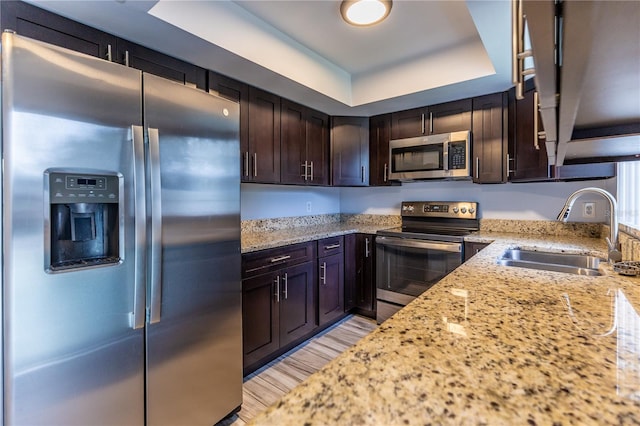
(614, 254)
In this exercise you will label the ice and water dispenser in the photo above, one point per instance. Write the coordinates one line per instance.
(84, 220)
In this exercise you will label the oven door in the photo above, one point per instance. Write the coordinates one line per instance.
(405, 267)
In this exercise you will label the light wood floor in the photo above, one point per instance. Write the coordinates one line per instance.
(268, 384)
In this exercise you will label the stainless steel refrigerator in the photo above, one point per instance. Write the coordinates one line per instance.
(121, 295)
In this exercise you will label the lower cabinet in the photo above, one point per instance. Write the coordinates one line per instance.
(330, 280)
(360, 281)
(279, 305)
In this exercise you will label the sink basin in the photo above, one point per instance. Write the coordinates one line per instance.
(556, 262)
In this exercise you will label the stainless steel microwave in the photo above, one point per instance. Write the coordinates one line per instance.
(446, 155)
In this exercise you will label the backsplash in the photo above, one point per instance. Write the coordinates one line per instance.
(629, 242)
(542, 227)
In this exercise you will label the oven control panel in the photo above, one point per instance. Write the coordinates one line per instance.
(450, 209)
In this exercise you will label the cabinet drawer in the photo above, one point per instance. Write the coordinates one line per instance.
(331, 245)
(264, 261)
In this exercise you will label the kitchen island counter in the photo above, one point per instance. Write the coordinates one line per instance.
(490, 344)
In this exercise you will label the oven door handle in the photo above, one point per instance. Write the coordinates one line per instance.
(429, 245)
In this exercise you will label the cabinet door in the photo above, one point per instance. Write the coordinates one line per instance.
(350, 271)
(450, 117)
(409, 123)
(365, 279)
(39, 24)
(260, 317)
(297, 302)
(231, 89)
(330, 288)
(350, 151)
(153, 62)
(379, 132)
(489, 138)
(264, 136)
(529, 153)
(294, 167)
(318, 147)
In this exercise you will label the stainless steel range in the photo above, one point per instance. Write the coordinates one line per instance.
(428, 245)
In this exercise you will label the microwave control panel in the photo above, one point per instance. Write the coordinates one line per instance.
(457, 155)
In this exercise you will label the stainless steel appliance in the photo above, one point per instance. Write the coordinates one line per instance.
(427, 157)
(121, 295)
(428, 245)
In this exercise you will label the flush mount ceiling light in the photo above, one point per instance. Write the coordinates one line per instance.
(365, 12)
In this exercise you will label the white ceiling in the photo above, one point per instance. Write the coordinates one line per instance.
(426, 52)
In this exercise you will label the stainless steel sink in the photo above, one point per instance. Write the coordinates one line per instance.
(557, 262)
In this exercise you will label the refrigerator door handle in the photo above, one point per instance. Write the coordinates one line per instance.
(155, 269)
(139, 290)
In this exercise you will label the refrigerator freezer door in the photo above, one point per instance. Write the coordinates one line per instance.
(71, 355)
(194, 335)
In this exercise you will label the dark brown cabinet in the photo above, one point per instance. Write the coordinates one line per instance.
(39, 24)
(441, 118)
(262, 157)
(528, 161)
(471, 249)
(153, 62)
(490, 136)
(278, 300)
(360, 282)
(350, 151)
(304, 145)
(330, 279)
(379, 135)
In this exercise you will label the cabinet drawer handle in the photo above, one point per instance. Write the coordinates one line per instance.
(277, 293)
(280, 259)
(323, 273)
(286, 286)
(332, 246)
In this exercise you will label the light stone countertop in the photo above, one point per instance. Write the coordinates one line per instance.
(490, 344)
(260, 240)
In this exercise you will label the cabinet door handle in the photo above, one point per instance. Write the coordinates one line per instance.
(286, 286)
(332, 246)
(109, 55)
(255, 164)
(367, 251)
(362, 170)
(126, 58)
(280, 258)
(304, 166)
(422, 128)
(509, 171)
(277, 293)
(536, 111)
(386, 171)
(323, 273)
(311, 167)
(246, 164)
(430, 123)
(477, 168)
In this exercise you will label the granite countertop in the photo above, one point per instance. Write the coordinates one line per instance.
(260, 240)
(490, 344)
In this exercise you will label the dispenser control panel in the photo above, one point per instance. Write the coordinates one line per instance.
(81, 188)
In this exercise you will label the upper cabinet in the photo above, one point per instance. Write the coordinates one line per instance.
(490, 136)
(350, 151)
(589, 82)
(441, 118)
(262, 158)
(379, 135)
(304, 157)
(39, 24)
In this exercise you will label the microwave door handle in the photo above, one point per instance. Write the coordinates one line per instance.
(428, 245)
(445, 156)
